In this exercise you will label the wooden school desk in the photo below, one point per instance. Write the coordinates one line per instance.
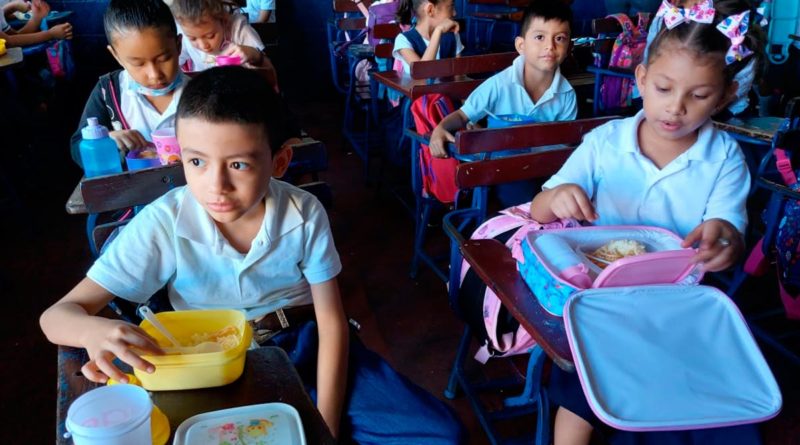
(756, 130)
(268, 376)
(12, 57)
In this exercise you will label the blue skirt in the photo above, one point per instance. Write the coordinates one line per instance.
(564, 389)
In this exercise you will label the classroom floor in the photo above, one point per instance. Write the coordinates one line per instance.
(407, 321)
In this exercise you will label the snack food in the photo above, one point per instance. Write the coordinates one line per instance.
(614, 250)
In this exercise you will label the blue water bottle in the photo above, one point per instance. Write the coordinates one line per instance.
(567, 263)
(99, 152)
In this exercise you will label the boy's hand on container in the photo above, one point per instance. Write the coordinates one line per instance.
(128, 140)
(438, 143)
(720, 244)
(61, 32)
(115, 338)
(570, 201)
(448, 25)
(39, 9)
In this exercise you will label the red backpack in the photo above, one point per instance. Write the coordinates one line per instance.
(438, 175)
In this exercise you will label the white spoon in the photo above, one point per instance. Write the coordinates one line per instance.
(148, 315)
(206, 346)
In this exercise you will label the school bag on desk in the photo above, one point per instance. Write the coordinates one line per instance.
(649, 356)
(627, 52)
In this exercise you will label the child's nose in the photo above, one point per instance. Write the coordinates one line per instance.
(676, 106)
(220, 182)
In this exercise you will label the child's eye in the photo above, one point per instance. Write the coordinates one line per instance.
(700, 96)
(237, 165)
(561, 39)
(662, 90)
(538, 37)
(197, 162)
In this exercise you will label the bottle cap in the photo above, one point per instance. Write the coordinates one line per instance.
(94, 130)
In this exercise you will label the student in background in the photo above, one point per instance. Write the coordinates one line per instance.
(233, 237)
(666, 167)
(532, 86)
(30, 34)
(260, 11)
(434, 35)
(143, 96)
(211, 29)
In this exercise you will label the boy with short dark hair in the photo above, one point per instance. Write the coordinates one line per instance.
(532, 86)
(235, 238)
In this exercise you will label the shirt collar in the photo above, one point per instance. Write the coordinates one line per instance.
(558, 85)
(703, 149)
(280, 217)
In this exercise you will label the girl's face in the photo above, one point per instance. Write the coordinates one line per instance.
(148, 55)
(207, 34)
(439, 12)
(680, 91)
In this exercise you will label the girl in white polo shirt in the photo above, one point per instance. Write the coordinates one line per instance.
(668, 167)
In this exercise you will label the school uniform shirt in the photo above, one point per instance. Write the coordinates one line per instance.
(504, 93)
(709, 180)
(239, 33)
(174, 242)
(402, 42)
(254, 7)
(118, 107)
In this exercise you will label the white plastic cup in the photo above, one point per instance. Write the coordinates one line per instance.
(111, 415)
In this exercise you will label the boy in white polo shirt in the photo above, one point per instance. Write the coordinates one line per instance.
(532, 86)
(234, 238)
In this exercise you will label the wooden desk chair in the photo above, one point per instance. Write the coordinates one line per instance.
(560, 139)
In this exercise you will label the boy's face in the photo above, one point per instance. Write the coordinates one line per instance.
(228, 167)
(148, 55)
(545, 44)
(207, 35)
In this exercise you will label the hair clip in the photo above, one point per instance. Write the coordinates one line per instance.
(735, 27)
(702, 12)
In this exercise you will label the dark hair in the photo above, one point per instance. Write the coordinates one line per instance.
(235, 94)
(407, 9)
(122, 15)
(706, 40)
(546, 10)
(194, 10)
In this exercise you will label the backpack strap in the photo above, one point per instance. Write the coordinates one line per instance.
(447, 43)
(416, 40)
(644, 20)
(784, 165)
(625, 22)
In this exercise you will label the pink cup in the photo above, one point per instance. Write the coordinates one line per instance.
(167, 146)
(228, 60)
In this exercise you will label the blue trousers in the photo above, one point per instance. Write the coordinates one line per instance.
(565, 390)
(381, 406)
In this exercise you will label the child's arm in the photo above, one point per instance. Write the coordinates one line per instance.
(263, 16)
(60, 32)
(15, 6)
(39, 10)
(72, 322)
(443, 133)
(563, 201)
(411, 56)
(333, 351)
(720, 244)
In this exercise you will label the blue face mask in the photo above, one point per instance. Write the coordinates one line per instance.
(141, 89)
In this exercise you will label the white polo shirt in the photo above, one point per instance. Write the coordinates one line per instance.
(402, 42)
(239, 33)
(140, 114)
(709, 180)
(504, 93)
(174, 242)
(254, 7)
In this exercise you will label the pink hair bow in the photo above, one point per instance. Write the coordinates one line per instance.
(735, 27)
(702, 12)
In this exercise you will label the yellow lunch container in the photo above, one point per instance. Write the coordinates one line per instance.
(197, 370)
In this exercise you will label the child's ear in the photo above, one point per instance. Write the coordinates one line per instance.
(429, 9)
(519, 44)
(114, 54)
(281, 160)
(641, 74)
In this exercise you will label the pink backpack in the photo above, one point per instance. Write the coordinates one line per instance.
(499, 341)
(628, 50)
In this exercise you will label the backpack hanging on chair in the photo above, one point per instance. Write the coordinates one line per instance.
(627, 52)
(438, 175)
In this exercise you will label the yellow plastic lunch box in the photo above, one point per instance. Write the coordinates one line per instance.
(203, 370)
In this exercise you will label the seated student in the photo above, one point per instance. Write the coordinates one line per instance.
(667, 167)
(434, 36)
(143, 96)
(30, 34)
(235, 238)
(713, 12)
(210, 29)
(260, 11)
(532, 86)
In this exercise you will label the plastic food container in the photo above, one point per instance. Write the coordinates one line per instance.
(268, 423)
(205, 370)
(139, 159)
(508, 120)
(110, 415)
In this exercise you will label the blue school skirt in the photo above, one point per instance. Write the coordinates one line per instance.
(564, 389)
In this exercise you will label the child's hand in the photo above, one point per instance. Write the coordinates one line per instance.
(39, 9)
(720, 245)
(116, 338)
(438, 144)
(128, 140)
(247, 54)
(18, 5)
(570, 201)
(61, 32)
(448, 25)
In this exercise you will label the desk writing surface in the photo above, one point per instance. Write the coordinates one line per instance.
(12, 57)
(268, 376)
(762, 128)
